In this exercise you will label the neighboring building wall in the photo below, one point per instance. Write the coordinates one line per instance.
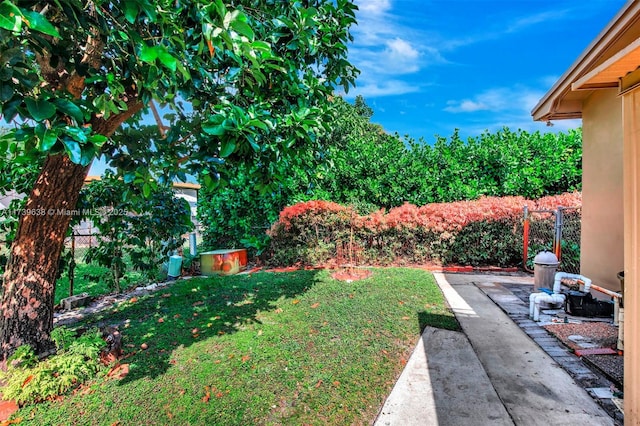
(602, 245)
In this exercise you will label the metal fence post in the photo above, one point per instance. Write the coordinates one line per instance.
(525, 238)
(72, 263)
(557, 235)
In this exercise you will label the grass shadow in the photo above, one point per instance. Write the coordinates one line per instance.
(193, 311)
(436, 320)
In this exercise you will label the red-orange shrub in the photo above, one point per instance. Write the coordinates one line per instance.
(487, 231)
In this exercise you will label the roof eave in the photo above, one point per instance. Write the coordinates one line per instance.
(548, 107)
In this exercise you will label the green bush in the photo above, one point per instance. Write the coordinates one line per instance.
(358, 164)
(29, 380)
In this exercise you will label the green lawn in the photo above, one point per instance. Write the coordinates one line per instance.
(269, 348)
(90, 278)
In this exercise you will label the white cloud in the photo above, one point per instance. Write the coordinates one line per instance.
(508, 107)
(384, 50)
(375, 7)
(535, 19)
(401, 49)
(384, 88)
(515, 25)
(518, 97)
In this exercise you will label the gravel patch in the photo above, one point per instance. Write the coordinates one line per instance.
(602, 334)
(611, 366)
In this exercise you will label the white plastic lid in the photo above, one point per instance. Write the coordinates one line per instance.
(545, 258)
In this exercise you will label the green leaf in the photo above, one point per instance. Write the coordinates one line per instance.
(168, 60)
(10, 108)
(146, 190)
(148, 54)
(259, 124)
(228, 18)
(77, 133)
(131, 11)
(40, 109)
(73, 149)
(87, 155)
(97, 140)
(261, 45)
(129, 177)
(10, 17)
(39, 23)
(242, 28)
(227, 148)
(69, 108)
(6, 92)
(214, 126)
(213, 130)
(47, 138)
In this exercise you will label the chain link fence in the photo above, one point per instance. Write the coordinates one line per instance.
(4, 255)
(80, 243)
(557, 231)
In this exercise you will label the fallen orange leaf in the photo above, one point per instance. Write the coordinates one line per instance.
(246, 358)
(406, 318)
(315, 305)
(319, 383)
(133, 300)
(28, 379)
(295, 301)
(119, 371)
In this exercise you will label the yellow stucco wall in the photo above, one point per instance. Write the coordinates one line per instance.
(631, 124)
(602, 239)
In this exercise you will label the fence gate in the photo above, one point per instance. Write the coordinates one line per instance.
(554, 230)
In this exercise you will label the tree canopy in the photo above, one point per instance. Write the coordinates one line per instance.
(241, 81)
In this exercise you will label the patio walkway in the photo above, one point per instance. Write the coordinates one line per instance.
(492, 373)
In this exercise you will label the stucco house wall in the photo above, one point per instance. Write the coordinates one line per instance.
(602, 189)
(602, 87)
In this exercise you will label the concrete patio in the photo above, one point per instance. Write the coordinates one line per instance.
(493, 372)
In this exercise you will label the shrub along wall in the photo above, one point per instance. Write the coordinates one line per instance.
(487, 231)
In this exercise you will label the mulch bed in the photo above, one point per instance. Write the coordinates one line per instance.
(351, 274)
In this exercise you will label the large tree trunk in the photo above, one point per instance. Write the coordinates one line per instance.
(26, 308)
(29, 281)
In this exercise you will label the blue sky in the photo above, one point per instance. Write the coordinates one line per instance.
(428, 67)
